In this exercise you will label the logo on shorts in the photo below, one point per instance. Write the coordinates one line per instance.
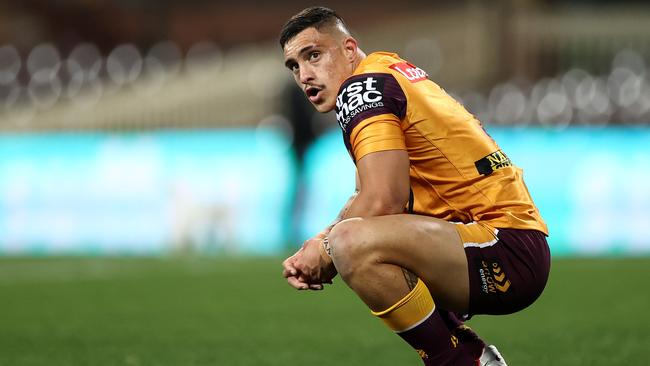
(454, 341)
(412, 73)
(493, 278)
(358, 97)
(492, 162)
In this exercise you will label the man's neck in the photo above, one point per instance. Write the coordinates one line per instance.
(358, 59)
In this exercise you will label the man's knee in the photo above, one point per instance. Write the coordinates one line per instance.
(352, 246)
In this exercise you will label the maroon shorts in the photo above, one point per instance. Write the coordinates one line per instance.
(506, 273)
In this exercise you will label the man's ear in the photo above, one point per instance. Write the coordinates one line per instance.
(350, 48)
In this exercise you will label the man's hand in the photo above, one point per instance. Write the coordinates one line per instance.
(293, 275)
(314, 265)
(310, 267)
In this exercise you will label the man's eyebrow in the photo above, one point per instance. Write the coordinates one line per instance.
(303, 50)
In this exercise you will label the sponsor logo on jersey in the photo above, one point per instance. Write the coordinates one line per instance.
(412, 73)
(357, 97)
(492, 162)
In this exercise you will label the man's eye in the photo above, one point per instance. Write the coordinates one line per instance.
(314, 55)
(294, 68)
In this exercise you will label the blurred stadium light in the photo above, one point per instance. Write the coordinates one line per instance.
(10, 64)
(525, 68)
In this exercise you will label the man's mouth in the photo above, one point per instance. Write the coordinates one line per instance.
(313, 93)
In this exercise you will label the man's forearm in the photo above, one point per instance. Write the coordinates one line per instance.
(369, 205)
(341, 216)
(363, 205)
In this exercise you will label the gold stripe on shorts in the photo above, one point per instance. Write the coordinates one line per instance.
(476, 234)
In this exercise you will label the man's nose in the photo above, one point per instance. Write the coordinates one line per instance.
(306, 74)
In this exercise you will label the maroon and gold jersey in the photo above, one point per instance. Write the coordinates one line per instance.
(457, 172)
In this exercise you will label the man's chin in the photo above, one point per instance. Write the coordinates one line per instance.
(323, 107)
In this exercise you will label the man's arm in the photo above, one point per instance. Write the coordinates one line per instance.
(342, 214)
(385, 191)
(290, 272)
(384, 185)
(384, 188)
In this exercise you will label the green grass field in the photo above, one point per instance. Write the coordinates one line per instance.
(216, 311)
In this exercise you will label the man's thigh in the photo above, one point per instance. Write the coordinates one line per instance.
(429, 247)
(468, 268)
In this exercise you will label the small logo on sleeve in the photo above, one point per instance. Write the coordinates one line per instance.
(492, 162)
(412, 73)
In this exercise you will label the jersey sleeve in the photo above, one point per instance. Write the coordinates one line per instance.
(378, 133)
(369, 108)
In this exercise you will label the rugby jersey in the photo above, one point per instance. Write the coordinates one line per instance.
(458, 172)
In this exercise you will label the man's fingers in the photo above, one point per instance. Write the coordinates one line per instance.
(289, 268)
(297, 284)
(305, 273)
(300, 283)
(299, 275)
(288, 272)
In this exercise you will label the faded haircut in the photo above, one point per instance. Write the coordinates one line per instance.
(316, 17)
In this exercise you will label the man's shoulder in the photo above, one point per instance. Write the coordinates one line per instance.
(377, 62)
(390, 63)
(375, 65)
(379, 85)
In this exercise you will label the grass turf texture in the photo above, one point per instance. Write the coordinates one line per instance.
(238, 311)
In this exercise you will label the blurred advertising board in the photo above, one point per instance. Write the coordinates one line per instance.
(144, 193)
(232, 191)
(592, 185)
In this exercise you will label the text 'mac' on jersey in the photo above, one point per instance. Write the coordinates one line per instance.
(457, 172)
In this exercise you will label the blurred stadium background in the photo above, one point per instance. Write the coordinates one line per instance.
(157, 128)
(146, 127)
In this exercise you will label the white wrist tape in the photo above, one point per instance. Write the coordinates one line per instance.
(326, 245)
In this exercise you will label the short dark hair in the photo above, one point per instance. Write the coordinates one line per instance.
(315, 16)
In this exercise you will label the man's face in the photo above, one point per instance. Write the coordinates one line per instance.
(319, 66)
